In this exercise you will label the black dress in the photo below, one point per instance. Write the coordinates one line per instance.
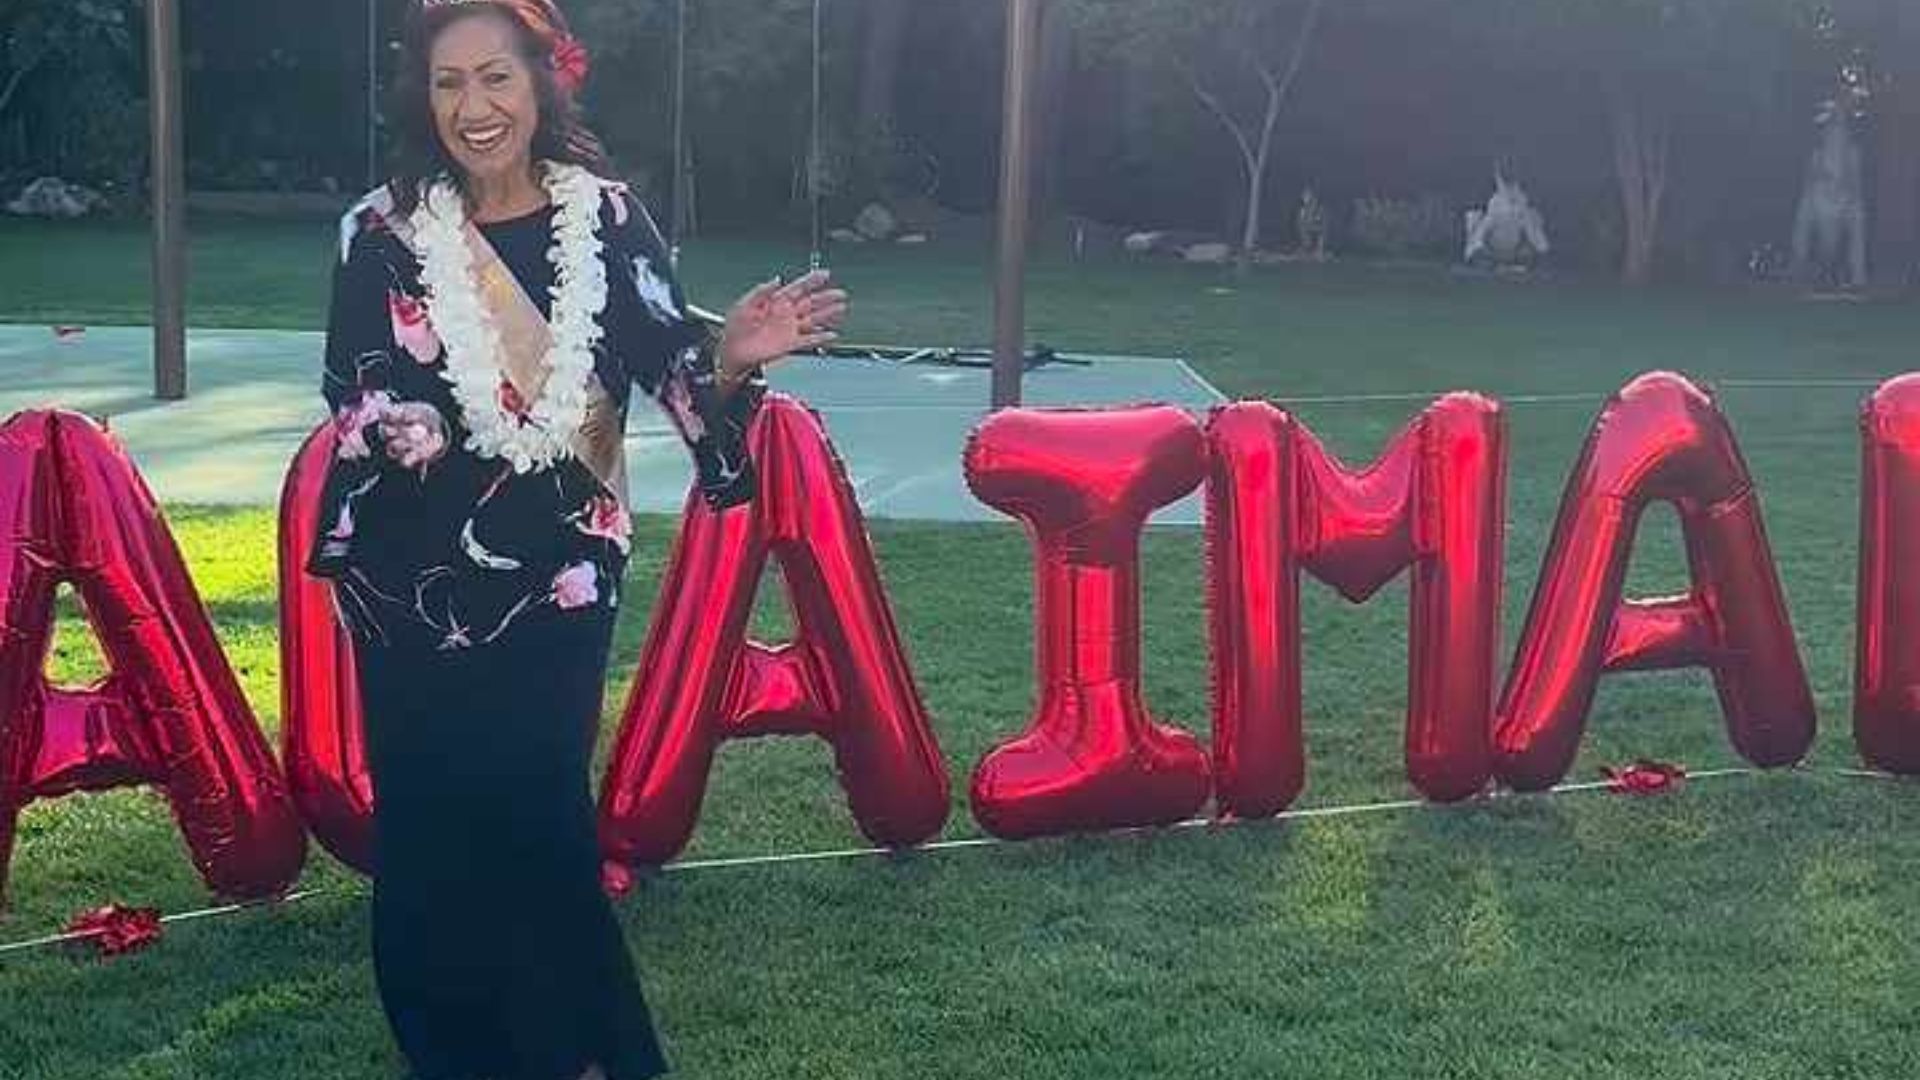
(481, 603)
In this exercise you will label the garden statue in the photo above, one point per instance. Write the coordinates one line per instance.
(1510, 230)
(1311, 223)
(1832, 218)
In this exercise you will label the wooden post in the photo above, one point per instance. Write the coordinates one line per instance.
(814, 150)
(678, 217)
(1016, 176)
(169, 201)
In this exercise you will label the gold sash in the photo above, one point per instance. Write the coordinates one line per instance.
(525, 339)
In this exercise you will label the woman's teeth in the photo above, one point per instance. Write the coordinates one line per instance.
(482, 140)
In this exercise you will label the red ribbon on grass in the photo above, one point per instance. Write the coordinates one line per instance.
(1644, 777)
(117, 929)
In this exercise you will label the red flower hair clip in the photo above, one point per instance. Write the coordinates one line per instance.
(570, 64)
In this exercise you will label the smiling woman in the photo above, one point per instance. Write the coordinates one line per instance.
(500, 94)
(493, 306)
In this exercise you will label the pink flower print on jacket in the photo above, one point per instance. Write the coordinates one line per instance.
(351, 424)
(416, 436)
(577, 586)
(411, 328)
(603, 517)
(343, 526)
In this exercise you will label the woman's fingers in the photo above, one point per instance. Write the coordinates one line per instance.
(823, 299)
(801, 286)
(825, 317)
(759, 295)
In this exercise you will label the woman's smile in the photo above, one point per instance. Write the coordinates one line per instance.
(485, 138)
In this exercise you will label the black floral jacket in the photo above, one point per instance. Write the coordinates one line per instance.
(460, 550)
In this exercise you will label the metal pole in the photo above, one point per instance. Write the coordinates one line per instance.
(373, 93)
(679, 132)
(169, 201)
(1016, 175)
(814, 163)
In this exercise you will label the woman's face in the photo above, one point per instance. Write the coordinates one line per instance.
(484, 106)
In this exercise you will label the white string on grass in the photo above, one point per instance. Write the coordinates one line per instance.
(847, 854)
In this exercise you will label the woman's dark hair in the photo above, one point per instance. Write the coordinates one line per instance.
(537, 27)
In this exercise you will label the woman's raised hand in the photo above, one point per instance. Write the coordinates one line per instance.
(773, 321)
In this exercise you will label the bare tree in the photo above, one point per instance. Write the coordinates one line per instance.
(1241, 60)
(1254, 137)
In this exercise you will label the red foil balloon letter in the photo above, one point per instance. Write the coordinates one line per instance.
(845, 678)
(73, 509)
(1661, 438)
(1278, 503)
(321, 736)
(1084, 483)
(1886, 688)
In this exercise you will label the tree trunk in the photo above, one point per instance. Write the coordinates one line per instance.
(1640, 146)
(1257, 176)
(1050, 121)
(886, 33)
(1250, 236)
(1642, 234)
(1896, 224)
(13, 83)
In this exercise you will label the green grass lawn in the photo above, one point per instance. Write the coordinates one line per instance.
(1743, 928)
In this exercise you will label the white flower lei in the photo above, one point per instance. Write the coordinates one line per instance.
(472, 343)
